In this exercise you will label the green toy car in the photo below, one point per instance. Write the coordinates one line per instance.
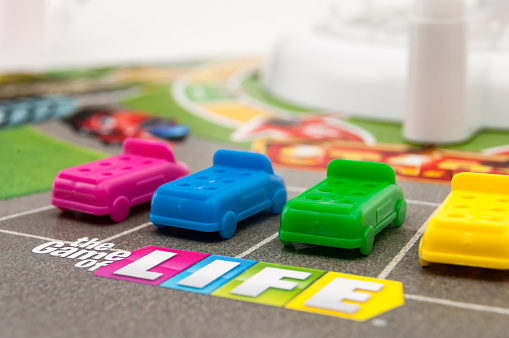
(356, 201)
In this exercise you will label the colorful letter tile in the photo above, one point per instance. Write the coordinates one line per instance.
(152, 264)
(347, 296)
(269, 284)
(208, 274)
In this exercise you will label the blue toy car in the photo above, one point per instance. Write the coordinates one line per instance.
(238, 185)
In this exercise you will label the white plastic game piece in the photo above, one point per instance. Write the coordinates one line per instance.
(437, 76)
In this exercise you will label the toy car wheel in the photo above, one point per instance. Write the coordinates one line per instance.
(229, 225)
(400, 213)
(278, 201)
(423, 262)
(285, 242)
(367, 240)
(119, 209)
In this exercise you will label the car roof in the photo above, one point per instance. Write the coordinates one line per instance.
(340, 194)
(469, 211)
(210, 181)
(119, 165)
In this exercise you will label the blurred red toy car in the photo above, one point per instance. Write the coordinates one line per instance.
(113, 126)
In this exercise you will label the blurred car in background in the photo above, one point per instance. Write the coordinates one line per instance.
(112, 126)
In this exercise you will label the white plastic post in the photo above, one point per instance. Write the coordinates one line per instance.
(436, 110)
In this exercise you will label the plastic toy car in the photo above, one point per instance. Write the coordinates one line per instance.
(238, 185)
(471, 227)
(112, 185)
(347, 209)
(113, 126)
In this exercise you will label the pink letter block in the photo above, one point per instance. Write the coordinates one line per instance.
(151, 265)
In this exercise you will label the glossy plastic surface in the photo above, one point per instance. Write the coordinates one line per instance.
(112, 185)
(471, 227)
(238, 185)
(347, 209)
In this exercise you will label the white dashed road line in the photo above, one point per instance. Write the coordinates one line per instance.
(23, 213)
(388, 269)
(257, 246)
(468, 306)
(32, 236)
(139, 227)
(426, 203)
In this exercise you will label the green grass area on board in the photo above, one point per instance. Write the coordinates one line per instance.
(387, 132)
(384, 132)
(483, 140)
(252, 87)
(30, 160)
(208, 92)
(160, 102)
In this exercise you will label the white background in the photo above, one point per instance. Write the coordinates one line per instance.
(47, 33)
(38, 34)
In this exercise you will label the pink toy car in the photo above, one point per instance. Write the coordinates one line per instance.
(112, 185)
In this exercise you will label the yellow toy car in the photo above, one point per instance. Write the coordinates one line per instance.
(471, 227)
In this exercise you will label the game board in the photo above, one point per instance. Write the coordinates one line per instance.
(43, 295)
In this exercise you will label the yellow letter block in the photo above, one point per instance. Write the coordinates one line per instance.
(348, 296)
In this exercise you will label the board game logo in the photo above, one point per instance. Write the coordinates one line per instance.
(91, 253)
(296, 288)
